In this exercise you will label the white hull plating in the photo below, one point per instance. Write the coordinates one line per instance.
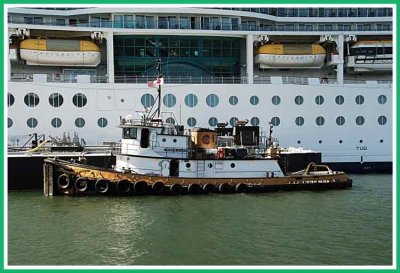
(57, 58)
(369, 142)
(200, 168)
(289, 61)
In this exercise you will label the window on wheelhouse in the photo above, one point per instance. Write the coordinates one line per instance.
(129, 133)
(144, 138)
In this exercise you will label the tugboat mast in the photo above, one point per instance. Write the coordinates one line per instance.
(157, 82)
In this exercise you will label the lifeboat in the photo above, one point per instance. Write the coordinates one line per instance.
(369, 56)
(52, 52)
(293, 56)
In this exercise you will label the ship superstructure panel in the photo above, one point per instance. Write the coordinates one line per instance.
(315, 87)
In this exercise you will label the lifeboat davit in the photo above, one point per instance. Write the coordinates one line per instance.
(53, 52)
(292, 56)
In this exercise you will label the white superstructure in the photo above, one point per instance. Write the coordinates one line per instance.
(342, 109)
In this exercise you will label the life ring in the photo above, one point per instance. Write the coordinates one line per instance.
(140, 187)
(220, 153)
(64, 181)
(206, 139)
(157, 187)
(194, 189)
(123, 186)
(101, 186)
(81, 184)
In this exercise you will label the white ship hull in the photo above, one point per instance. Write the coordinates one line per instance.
(370, 142)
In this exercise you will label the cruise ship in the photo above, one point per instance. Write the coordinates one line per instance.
(321, 76)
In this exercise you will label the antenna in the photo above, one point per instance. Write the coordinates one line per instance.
(158, 83)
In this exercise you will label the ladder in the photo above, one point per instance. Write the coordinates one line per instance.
(201, 166)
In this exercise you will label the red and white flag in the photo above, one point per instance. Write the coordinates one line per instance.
(156, 83)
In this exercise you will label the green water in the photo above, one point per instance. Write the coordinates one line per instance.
(337, 227)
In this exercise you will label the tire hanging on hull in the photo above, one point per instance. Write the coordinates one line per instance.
(157, 187)
(140, 187)
(123, 186)
(64, 181)
(194, 189)
(101, 186)
(81, 184)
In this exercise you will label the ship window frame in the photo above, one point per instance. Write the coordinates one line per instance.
(212, 100)
(382, 120)
(382, 99)
(147, 100)
(319, 100)
(339, 100)
(169, 100)
(31, 99)
(299, 100)
(10, 123)
(32, 122)
(56, 100)
(276, 100)
(233, 100)
(254, 100)
(360, 120)
(320, 121)
(191, 121)
(10, 99)
(102, 122)
(56, 122)
(359, 99)
(191, 100)
(299, 121)
(129, 133)
(340, 120)
(212, 121)
(255, 121)
(170, 120)
(233, 121)
(275, 121)
(79, 100)
(80, 122)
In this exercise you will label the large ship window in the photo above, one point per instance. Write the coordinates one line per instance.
(129, 133)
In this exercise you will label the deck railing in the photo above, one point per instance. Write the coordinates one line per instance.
(68, 78)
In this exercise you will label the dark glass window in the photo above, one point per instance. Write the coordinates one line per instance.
(129, 133)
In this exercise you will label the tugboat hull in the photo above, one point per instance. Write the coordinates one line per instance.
(66, 178)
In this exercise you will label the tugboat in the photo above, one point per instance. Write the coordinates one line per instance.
(163, 158)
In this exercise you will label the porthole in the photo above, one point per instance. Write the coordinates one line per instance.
(382, 99)
(9, 123)
(320, 121)
(299, 121)
(276, 100)
(122, 100)
(340, 120)
(170, 120)
(188, 165)
(169, 100)
(10, 99)
(191, 100)
(31, 99)
(32, 122)
(56, 122)
(298, 141)
(164, 139)
(254, 121)
(102, 122)
(79, 100)
(340, 141)
(233, 121)
(212, 100)
(360, 120)
(147, 100)
(275, 121)
(210, 165)
(320, 141)
(191, 122)
(298, 100)
(212, 121)
(361, 141)
(359, 99)
(79, 122)
(254, 100)
(382, 120)
(174, 140)
(319, 100)
(339, 100)
(381, 141)
(233, 165)
(56, 100)
(233, 100)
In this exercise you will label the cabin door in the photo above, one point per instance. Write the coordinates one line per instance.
(144, 138)
(174, 167)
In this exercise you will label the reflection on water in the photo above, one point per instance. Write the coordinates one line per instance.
(343, 227)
